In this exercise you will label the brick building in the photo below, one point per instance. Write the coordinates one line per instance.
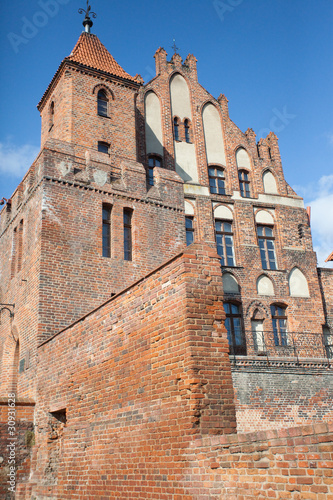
(109, 321)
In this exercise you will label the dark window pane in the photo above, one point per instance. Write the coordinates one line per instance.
(127, 234)
(106, 231)
(103, 147)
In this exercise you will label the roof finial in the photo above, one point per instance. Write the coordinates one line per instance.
(87, 22)
(174, 46)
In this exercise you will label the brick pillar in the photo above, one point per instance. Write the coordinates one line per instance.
(208, 385)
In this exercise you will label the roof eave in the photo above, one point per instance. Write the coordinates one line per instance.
(67, 61)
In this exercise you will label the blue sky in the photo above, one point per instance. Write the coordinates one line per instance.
(271, 58)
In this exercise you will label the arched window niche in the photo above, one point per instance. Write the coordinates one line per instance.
(298, 284)
(265, 285)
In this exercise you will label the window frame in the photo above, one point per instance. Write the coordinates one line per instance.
(265, 239)
(187, 128)
(219, 189)
(102, 109)
(237, 341)
(244, 184)
(128, 239)
(106, 225)
(153, 158)
(176, 126)
(189, 230)
(224, 233)
(280, 333)
(101, 145)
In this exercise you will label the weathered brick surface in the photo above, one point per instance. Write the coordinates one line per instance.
(19, 453)
(272, 397)
(294, 463)
(139, 377)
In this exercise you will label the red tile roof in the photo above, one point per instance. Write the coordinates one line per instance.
(90, 52)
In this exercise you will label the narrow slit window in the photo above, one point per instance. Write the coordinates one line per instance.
(176, 128)
(187, 131)
(102, 103)
(189, 230)
(127, 234)
(106, 231)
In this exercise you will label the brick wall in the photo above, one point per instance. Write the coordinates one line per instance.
(274, 396)
(326, 284)
(19, 455)
(291, 464)
(138, 377)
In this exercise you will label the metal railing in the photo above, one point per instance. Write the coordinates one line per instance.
(273, 344)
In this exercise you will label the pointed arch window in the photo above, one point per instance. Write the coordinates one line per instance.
(102, 103)
(244, 183)
(176, 128)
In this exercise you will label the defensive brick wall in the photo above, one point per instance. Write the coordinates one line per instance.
(294, 463)
(135, 380)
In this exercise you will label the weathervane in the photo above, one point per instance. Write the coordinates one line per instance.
(174, 46)
(87, 23)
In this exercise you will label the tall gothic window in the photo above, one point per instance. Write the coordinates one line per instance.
(279, 323)
(267, 248)
(224, 242)
(244, 183)
(176, 128)
(127, 234)
(216, 180)
(187, 130)
(233, 324)
(102, 103)
(189, 229)
(106, 230)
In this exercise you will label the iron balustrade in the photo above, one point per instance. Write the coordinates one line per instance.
(295, 345)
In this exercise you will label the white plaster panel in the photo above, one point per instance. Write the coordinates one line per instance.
(264, 217)
(265, 286)
(189, 208)
(243, 159)
(153, 124)
(269, 183)
(223, 212)
(186, 161)
(281, 200)
(196, 189)
(213, 135)
(230, 284)
(298, 284)
(180, 98)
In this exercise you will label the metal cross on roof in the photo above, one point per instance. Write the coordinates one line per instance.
(174, 46)
(87, 23)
